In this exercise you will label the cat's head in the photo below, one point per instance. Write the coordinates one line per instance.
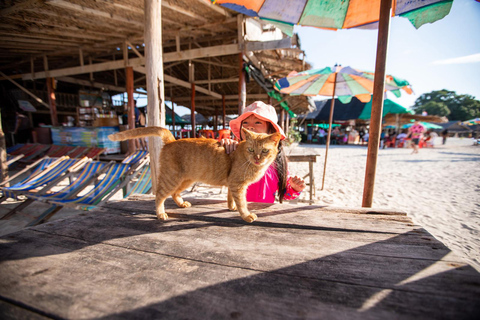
(261, 148)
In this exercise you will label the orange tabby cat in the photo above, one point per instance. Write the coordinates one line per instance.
(185, 161)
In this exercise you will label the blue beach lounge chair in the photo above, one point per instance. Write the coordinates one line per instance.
(51, 174)
(116, 177)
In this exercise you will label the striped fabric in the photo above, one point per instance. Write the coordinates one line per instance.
(93, 197)
(135, 157)
(45, 176)
(87, 173)
(143, 184)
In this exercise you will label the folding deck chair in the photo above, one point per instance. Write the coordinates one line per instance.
(90, 171)
(116, 177)
(31, 151)
(94, 152)
(143, 185)
(37, 167)
(59, 151)
(52, 174)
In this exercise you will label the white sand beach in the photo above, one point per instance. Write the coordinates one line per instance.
(438, 188)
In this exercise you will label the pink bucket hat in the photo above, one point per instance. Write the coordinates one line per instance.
(261, 110)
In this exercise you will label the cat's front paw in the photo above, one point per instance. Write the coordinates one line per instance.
(232, 207)
(250, 218)
(162, 216)
(185, 204)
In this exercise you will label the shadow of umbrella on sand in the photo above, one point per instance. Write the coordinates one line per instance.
(342, 14)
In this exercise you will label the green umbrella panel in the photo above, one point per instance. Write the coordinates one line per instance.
(427, 125)
(388, 107)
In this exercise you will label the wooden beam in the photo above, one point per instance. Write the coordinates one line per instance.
(214, 7)
(183, 11)
(134, 49)
(222, 50)
(104, 66)
(182, 83)
(217, 81)
(25, 90)
(91, 84)
(103, 15)
(223, 65)
(136, 62)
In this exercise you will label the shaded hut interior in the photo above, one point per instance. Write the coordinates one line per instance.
(87, 45)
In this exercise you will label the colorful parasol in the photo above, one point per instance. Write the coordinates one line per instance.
(342, 82)
(341, 14)
(348, 81)
(471, 122)
(427, 125)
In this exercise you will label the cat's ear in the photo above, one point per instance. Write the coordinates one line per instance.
(276, 137)
(249, 135)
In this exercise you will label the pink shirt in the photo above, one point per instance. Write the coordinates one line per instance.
(417, 131)
(264, 190)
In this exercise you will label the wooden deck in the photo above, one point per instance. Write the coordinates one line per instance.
(295, 261)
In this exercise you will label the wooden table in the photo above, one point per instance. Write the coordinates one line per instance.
(294, 262)
(311, 159)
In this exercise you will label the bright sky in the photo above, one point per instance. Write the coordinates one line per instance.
(441, 55)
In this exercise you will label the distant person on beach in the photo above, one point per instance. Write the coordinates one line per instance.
(361, 133)
(401, 139)
(416, 132)
(444, 136)
(262, 118)
(432, 136)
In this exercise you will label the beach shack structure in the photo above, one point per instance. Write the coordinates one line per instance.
(191, 52)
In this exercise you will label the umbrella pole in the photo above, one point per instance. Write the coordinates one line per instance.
(377, 102)
(332, 105)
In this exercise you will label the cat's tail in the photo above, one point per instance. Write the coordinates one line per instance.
(165, 134)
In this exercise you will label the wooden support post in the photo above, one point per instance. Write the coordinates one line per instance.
(282, 118)
(131, 106)
(215, 119)
(192, 102)
(155, 80)
(3, 156)
(173, 113)
(242, 86)
(224, 112)
(377, 102)
(52, 101)
(329, 134)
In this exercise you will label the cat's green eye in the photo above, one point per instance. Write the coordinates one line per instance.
(250, 149)
(265, 150)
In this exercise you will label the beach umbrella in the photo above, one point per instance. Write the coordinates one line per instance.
(342, 82)
(427, 125)
(341, 14)
(389, 107)
(471, 122)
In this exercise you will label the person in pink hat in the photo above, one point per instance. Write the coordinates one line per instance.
(262, 118)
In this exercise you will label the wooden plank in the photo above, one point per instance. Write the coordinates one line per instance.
(295, 261)
(98, 13)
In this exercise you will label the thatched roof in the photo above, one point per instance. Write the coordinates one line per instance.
(391, 119)
(88, 43)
